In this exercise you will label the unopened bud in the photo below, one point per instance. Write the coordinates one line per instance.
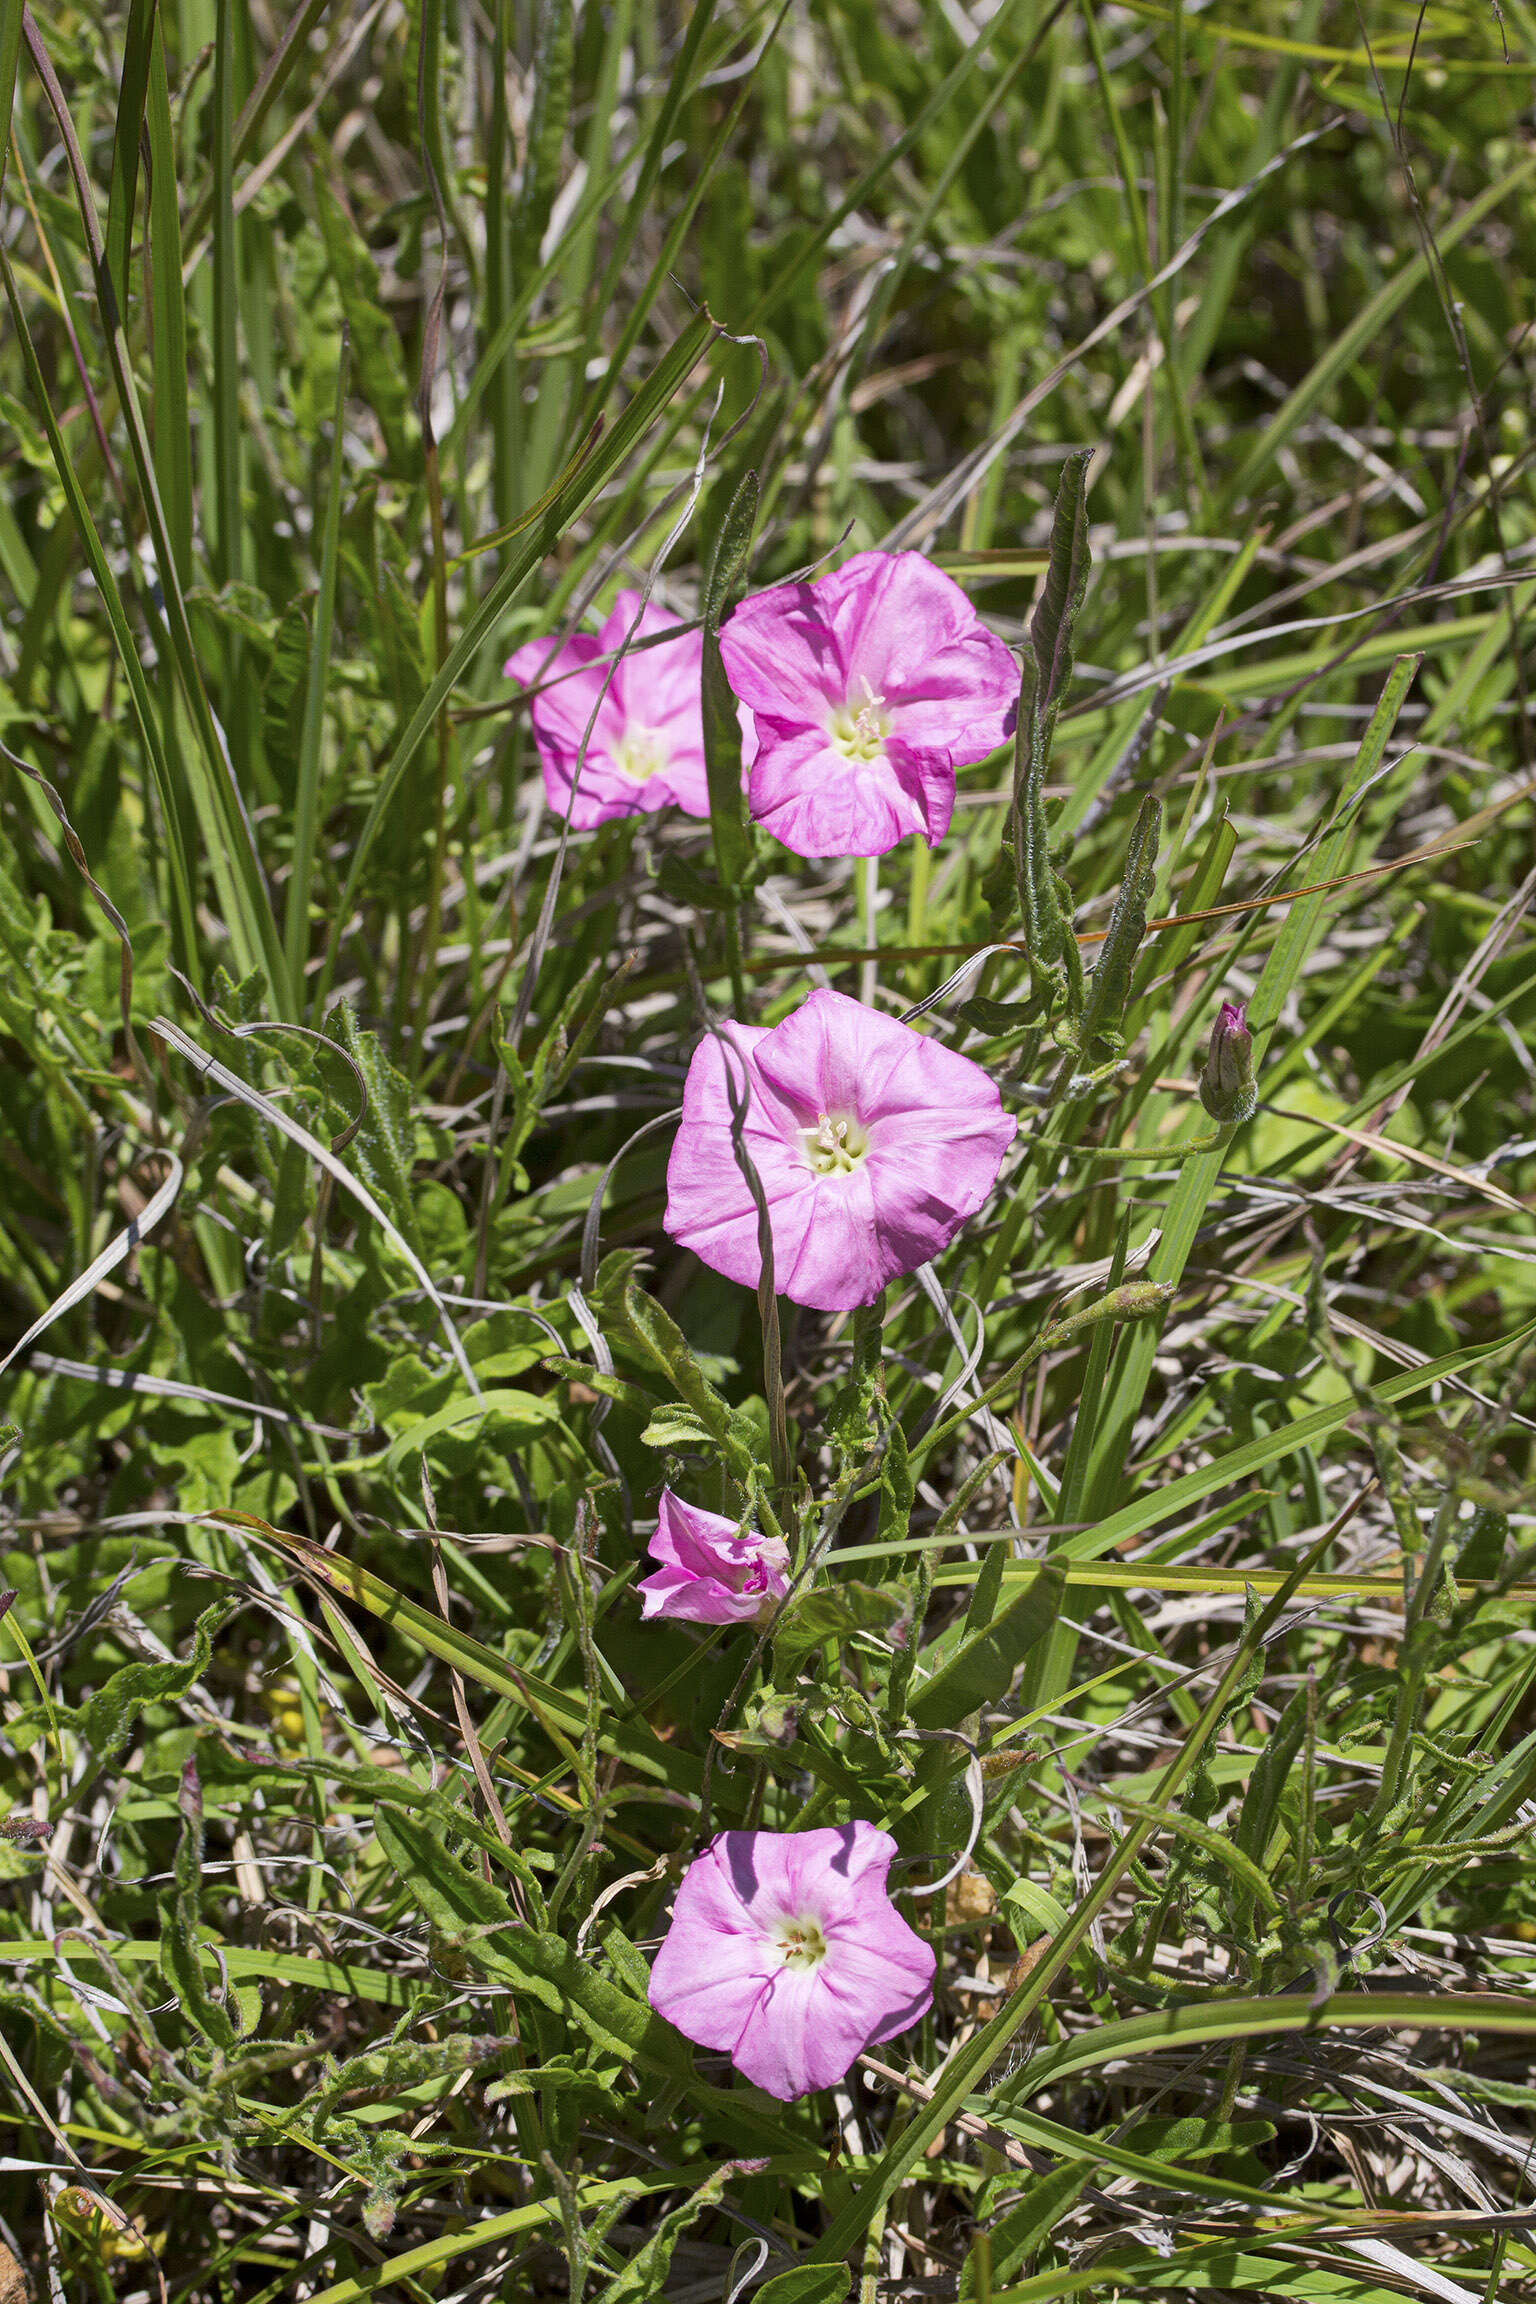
(1226, 1085)
(24, 1832)
(1134, 1300)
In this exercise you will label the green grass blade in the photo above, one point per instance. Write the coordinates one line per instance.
(179, 852)
(969, 2065)
(541, 529)
(306, 806)
(235, 864)
(138, 42)
(1364, 330)
(170, 416)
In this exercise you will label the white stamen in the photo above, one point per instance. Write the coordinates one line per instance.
(801, 1942)
(859, 731)
(642, 754)
(834, 1147)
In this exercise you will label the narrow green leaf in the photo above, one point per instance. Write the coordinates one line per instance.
(132, 96)
(177, 831)
(169, 415)
(106, 1721)
(1246, 2018)
(1030, 2222)
(722, 725)
(1283, 968)
(643, 2278)
(982, 1667)
(466, 1906)
(306, 812)
(1110, 984)
(553, 59)
(1061, 594)
(371, 335)
(10, 58)
(806, 2284)
(1047, 928)
(224, 351)
(181, 1921)
(226, 827)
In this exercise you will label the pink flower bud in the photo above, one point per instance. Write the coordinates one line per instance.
(1226, 1085)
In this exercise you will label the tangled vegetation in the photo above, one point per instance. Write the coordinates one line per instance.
(1159, 1557)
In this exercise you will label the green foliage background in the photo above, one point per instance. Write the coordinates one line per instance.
(345, 349)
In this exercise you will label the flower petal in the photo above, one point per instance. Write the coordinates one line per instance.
(710, 1573)
(910, 635)
(710, 1208)
(839, 1259)
(715, 1963)
(781, 655)
(695, 1599)
(818, 802)
(883, 1990)
(788, 1875)
(799, 2036)
(694, 1538)
(936, 1132)
(722, 1979)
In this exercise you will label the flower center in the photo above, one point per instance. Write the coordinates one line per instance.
(801, 1942)
(834, 1147)
(859, 730)
(643, 753)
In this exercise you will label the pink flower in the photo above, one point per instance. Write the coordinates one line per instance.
(868, 689)
(873, 1143)
(786, 1951)
(710, 1572)
(647, 748)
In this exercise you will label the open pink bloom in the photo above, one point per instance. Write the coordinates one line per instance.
(786, 1951)
(646, 750)
(868, 689)
(874, 1144)
(710, 1572)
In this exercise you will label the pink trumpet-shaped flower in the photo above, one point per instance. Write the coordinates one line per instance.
(710, 1572)
(873, 1143)
(646, 750)
(786, 1951)
(868, 689)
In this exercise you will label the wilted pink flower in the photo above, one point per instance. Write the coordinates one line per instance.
(710, 1572)
(646, 749)
(786, 1951)
(868, 689)
(873, 1143)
